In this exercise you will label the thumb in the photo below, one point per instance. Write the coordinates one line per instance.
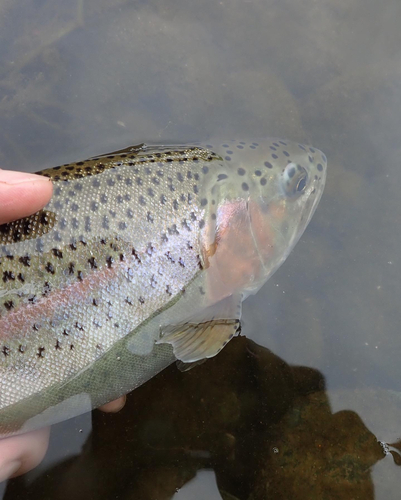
(22, 194)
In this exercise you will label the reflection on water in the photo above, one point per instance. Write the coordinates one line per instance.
(86, 76)
(265, 428)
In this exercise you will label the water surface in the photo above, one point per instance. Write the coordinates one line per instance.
(299, 412)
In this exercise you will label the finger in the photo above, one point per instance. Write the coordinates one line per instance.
(114, 406)
(22, 194)
(19, 454)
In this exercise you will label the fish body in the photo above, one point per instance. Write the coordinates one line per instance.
(141, 257)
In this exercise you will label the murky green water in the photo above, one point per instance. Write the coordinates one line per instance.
(298, 412)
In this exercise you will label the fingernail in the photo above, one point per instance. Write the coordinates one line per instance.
(9, 469)
(114, 406)
(13, 177)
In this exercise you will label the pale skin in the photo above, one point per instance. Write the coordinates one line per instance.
(22, 194)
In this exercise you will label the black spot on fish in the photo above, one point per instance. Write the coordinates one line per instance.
(8, 276)
(135, 254)
(49, 268)
(57, 253)
(92, 262)
(170, 257)
(46, 289)
(26, 260)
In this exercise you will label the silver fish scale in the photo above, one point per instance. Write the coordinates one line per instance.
(125, 243)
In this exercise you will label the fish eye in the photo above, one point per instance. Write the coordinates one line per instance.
(294, 180)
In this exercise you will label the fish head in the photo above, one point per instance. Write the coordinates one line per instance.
(269, 197)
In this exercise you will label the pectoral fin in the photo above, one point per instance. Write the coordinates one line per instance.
(206, 333)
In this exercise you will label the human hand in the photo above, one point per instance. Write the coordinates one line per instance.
(22, 194)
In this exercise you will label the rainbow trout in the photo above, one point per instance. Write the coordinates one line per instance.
(142, 257)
